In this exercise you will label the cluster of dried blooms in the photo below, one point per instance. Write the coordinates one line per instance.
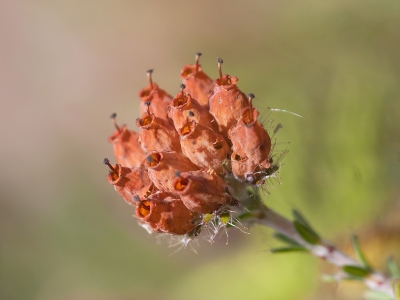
(181, 169)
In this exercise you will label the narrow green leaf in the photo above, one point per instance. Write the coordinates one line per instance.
(393, 267)
(307, 233)
(299, 218)
(288, 249)
(356, 271)
(285, 239)
(359, 253)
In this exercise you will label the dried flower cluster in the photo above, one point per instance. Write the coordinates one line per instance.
(192, 153)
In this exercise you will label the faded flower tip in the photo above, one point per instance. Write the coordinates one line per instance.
(149, 71)
(182, 86)
(106, 161)
(220, 60)
(251, 96)
(198, 54)
(147, 103)
(113, 116)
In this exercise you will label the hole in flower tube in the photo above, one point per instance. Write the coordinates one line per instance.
(217, 145)
(181, 184)
(145, 121)
(144, 209)
(186, 129)
(153, 159)
(237, 157)
(178, 101)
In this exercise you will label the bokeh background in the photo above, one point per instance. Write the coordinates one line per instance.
(65, 66)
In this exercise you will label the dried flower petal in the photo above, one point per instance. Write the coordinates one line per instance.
(127, 150)
(201, 191)
(184, 108)
(197, 83)
(166, 215)
(203, 146)
(163, 167)
(133, 184)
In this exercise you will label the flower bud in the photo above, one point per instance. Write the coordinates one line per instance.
(164, 166)
(201, 191)
(203, 146)
(133, 184)
(157, 134)
(184, 108)
(168, 215)
(197, 83)
(226, 102)
(159, 99)
(127, 150)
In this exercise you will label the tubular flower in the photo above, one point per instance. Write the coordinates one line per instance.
(184, 108)
(226, 102)
(157, 134)
(197, 157)
(203, 146)
(163, 166)
(166, 214)
(127, 150)
(251, 144)
(198, 84)
(159, 99)
(133, 184)
(190, 186)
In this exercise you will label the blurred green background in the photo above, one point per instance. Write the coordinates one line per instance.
(65, 66)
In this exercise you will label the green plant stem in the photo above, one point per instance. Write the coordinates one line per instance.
(374, 281)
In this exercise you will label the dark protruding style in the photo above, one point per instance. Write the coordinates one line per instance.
(106, 161)
(220, 62)
(198, 54)
(149, 72)
(113, 117)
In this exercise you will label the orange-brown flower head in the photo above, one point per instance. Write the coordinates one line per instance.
(203, 146)
(184, 108)
(226, 102)
(156, 133)
(133, 184)
(198, 84)
(162, 168)
(201, 191)
(166, 215)
(127, 150)
(159, 99)
(250, 139)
